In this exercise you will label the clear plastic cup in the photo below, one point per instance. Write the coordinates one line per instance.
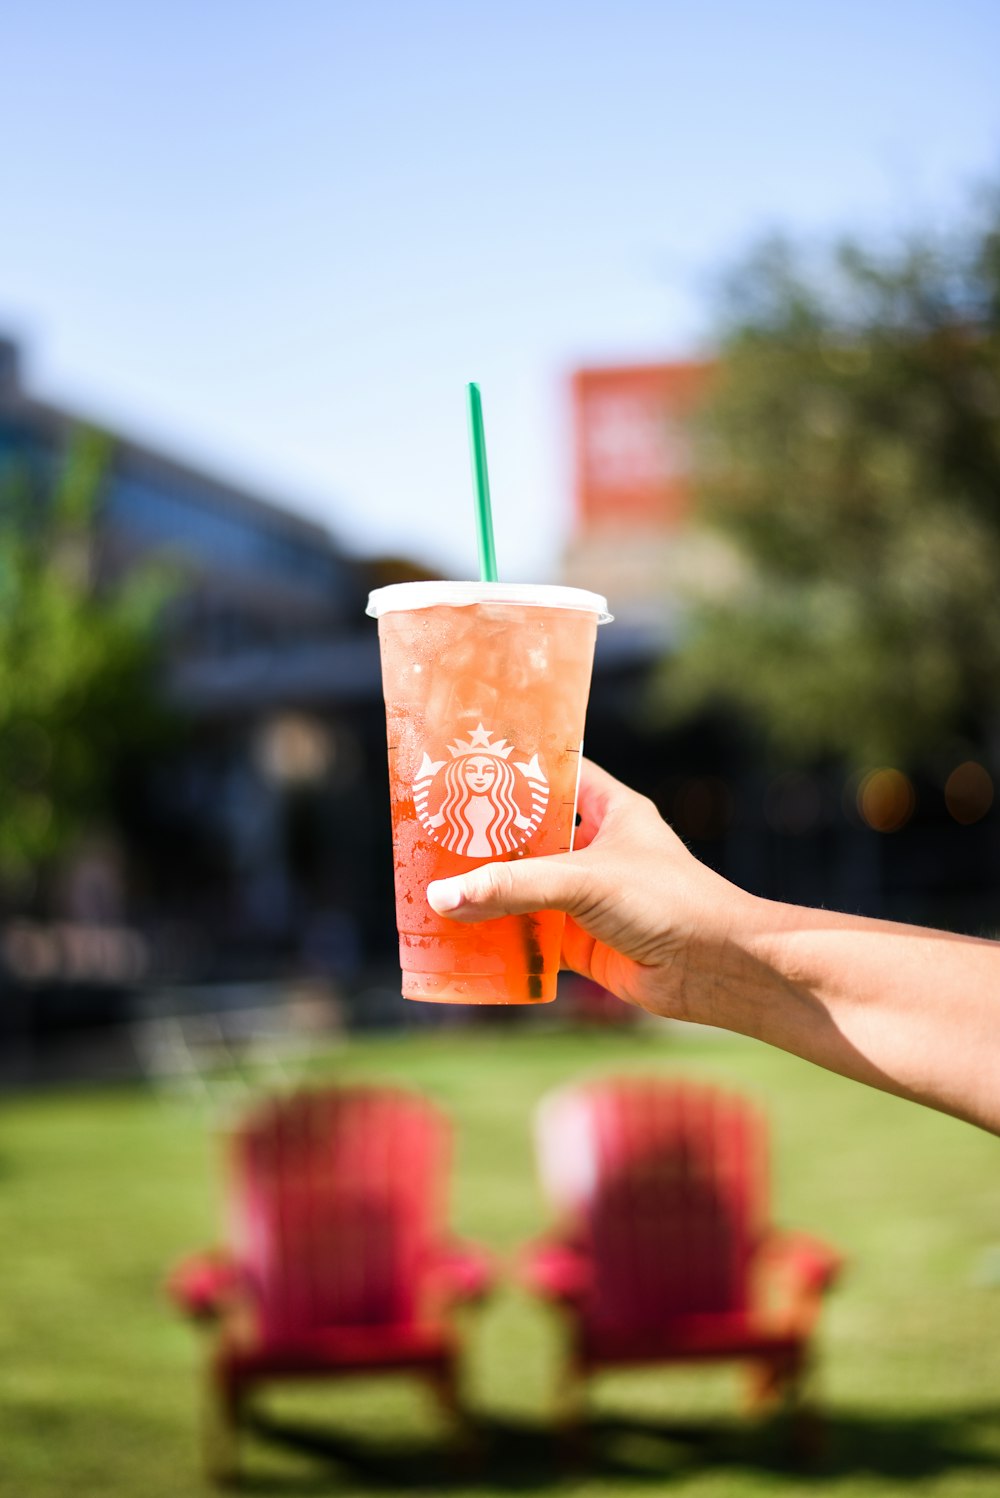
(486, 688)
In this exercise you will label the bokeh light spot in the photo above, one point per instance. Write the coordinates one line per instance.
(886, 800)
(292, 749)
(702, 808)
(794, 803)
(968, 792)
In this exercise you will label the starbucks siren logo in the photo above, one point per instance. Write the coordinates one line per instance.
(480, 803)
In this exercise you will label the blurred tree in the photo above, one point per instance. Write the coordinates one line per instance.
(850, 457)
(76, 662)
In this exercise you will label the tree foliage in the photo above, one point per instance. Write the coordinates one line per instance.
(850, 457)
(76, 662)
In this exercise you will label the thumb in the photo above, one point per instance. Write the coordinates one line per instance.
(553, 883)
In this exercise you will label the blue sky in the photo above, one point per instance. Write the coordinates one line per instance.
(278, 238)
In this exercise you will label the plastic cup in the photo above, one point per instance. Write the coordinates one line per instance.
(486, 688)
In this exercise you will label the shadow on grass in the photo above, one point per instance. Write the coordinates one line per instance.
(519, 1456)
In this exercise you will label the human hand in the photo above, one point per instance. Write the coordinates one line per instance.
(645, 918)
(907, 1009)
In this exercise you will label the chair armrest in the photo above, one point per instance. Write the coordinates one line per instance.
(555, 1271)
(805, 1269)
(203, 1285)
(806, 1264)
(464, 1273)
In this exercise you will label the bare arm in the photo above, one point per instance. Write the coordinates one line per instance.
(913, 1011)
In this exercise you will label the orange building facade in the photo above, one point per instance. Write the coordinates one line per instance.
(632, 448)
(632, 489)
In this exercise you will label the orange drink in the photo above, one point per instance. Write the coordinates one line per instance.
(486, 689)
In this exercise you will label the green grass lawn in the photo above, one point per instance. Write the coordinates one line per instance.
(101, 1191)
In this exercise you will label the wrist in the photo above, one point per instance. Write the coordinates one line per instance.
(728, 974)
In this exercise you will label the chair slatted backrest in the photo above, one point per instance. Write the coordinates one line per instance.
(665, 1187)
(336, 1199)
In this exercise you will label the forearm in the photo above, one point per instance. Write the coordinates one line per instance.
(913, 1011)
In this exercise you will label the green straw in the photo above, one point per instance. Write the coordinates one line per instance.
(481, 478)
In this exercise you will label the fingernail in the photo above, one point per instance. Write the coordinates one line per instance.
(444, 895)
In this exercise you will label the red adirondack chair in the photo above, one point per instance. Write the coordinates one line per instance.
(338, 1260)
(664, 1251)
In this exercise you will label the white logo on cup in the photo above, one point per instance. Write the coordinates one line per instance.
(480, 802)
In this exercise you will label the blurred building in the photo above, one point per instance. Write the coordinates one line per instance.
(256, 578)
(632, 535)
(258, 838)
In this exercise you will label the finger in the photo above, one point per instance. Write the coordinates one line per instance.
(553, 883)
(598, 793)
(578, 949)
(583, 954)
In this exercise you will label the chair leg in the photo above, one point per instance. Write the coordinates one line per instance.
(444, 1382)
(221, 1412)
(765, 1382)
(789, 1382)
(806, 1425)
(571, 1412)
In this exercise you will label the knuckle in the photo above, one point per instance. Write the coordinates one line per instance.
(492, 883)
(650, 809)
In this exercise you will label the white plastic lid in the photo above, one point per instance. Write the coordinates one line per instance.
(400, 597)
